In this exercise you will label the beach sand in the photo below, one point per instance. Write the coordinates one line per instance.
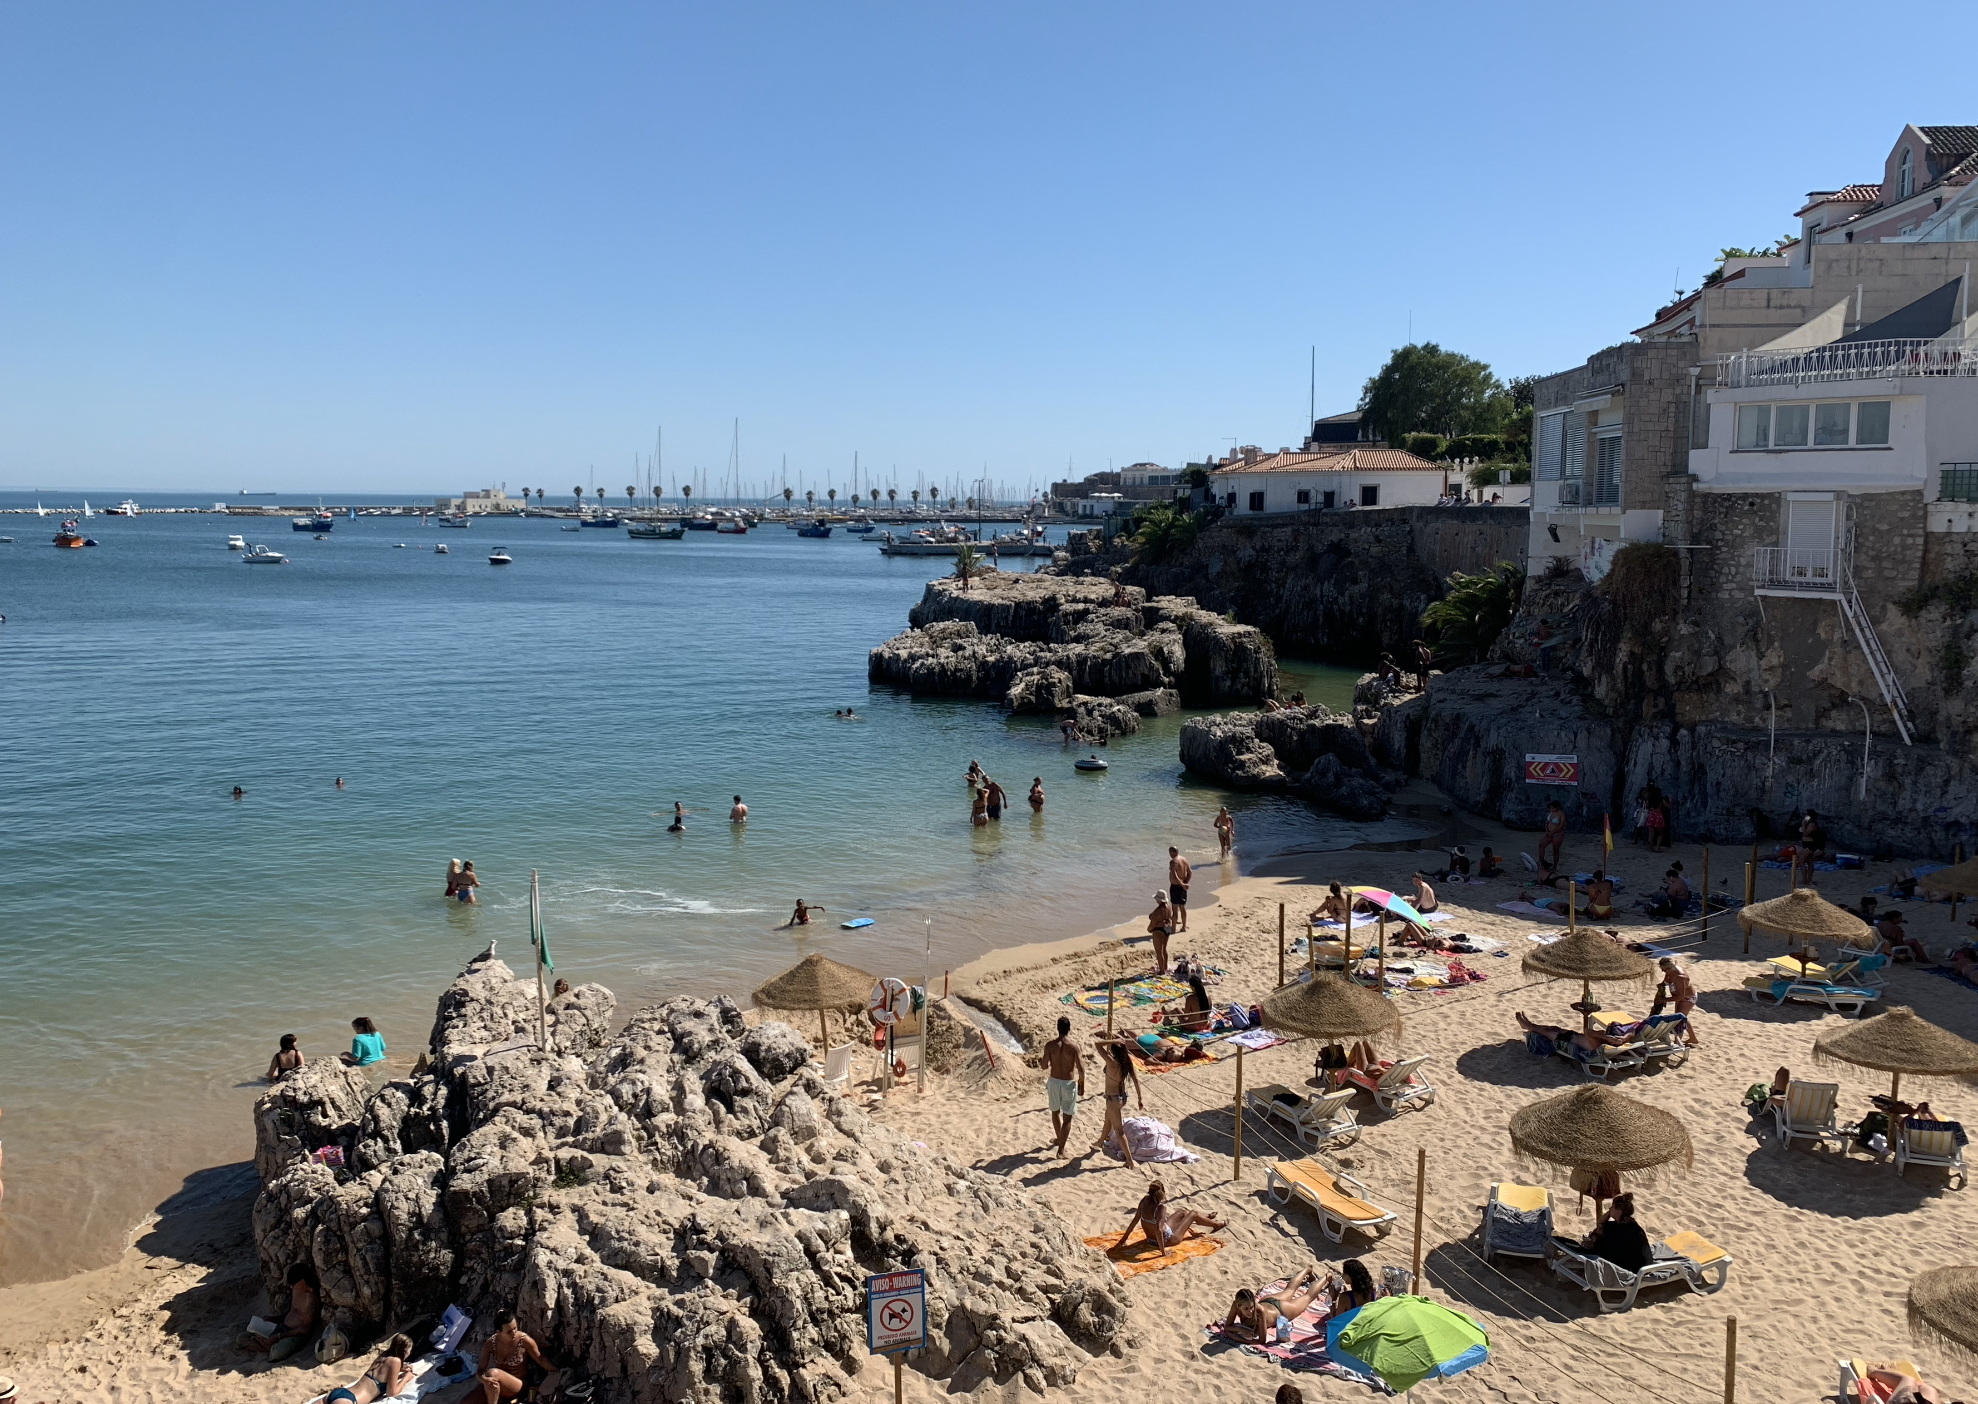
(1824, 1245)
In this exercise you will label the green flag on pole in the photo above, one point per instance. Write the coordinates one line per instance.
(538, 938)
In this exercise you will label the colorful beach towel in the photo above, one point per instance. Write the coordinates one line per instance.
(1142, 989)
(1306, 1350)
(1525, 909)
(1141, 1256)
(1152, 1142)
(1256, 1040)
(1358, 922)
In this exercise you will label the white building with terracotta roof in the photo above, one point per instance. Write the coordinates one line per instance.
(1311, 482)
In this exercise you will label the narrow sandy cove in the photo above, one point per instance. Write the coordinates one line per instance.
(1824, 1247)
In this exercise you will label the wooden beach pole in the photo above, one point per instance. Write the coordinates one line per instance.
(926, 1004)
(1109, 1009)
(536, 940)
(1381, 985)
(1237, 1172)
(1572, 904)
(823, 1034)
(1750, 894)
(1421, 1191)
(1280, 945)
(1730, 1360)
(1706, 892)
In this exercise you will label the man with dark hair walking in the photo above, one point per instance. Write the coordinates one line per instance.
(1064, 1064)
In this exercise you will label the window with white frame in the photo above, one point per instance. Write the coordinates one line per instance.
(1813, 424)
(1607, 470)
(1548, 446)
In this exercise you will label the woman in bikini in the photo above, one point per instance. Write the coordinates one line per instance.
(1119, 1071)
(1333, 908)
(1357, 1291)
(1255, 1318)
(287, 1060)
(1162, 1225)
(502, 1360)
(388, 1374)
(1037, 793)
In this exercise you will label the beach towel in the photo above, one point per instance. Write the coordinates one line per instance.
(1524, 909)
(426, 1378)
(1956, 1128)
(1152, 1142)
(1358, 922)
(1256, 1040)
(1141, 1256)
(1306, 1350)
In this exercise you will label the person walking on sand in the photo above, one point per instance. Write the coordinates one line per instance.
(740, 813)
(1119, 1072)
(996, 797)
(1160, 926)
(1064, 1065)
(1037, 795)
(1225, 830)
(1179, 876)
(467, 882)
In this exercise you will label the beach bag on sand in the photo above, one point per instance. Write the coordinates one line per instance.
(332, 1346)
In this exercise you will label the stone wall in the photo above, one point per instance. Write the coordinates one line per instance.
(1342, 585)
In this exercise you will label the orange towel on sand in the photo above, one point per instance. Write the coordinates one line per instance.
(1141, 1256)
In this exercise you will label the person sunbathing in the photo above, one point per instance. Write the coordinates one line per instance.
(1964, 962)
(1583, 1042)
(1156, 1049)
(1334, 1060)
(1618, 1238)
(1907, 1389)
(1255, 1318)
(1355, 1291)
(388, 1374)
(1332, 908)
(1165, 1225)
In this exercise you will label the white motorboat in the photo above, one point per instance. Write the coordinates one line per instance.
(236, 543)
(126, 508)
(264, 555)
(500, 556)
(440, 549)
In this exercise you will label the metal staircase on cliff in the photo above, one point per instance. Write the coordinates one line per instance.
(1871, 648)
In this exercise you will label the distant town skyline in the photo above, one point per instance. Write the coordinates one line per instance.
(416, 252)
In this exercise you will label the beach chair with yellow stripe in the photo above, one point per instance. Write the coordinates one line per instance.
(1517, 1222)
(1337, 1199)
(1928, 1143)
(1809, 1114)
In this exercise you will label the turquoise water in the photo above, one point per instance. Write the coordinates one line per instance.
(161, 935)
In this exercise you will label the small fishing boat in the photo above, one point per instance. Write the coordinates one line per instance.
(655, 532)
(1088, 763)
(731, 526)
(602, 520)
(570, 528)
(321, 521)
(862, 529)
(458, 522)
(817, 531)
(500, 556)
(440, 549)
(236, 543)
(702, 524)
(68, 536)
(264, 555)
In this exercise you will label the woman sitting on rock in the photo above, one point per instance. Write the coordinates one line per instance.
(503, 1360)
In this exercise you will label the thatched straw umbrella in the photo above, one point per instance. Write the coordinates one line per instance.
(1960, 881)
(1806, 914)
(1589, 957)
(1596, 1129)
(1331, 1008)
(1900, 1042)
(816, 983)
(1943, 1302)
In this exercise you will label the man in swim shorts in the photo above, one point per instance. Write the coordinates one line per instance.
(1179, 874)
(740, 813)
(1064, 1062)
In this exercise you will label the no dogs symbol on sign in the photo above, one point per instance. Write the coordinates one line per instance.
(896, 1311)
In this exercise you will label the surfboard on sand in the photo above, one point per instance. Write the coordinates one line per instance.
(855, 923)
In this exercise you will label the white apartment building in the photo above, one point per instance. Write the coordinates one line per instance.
(1315, 482)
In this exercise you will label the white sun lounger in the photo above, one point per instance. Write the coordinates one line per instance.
(1521, 1215)
(1614, 1288)
(1337, 1199)
(1316, 1121)
(1809, 1114)
(1926, 1145)
(1399, 1084)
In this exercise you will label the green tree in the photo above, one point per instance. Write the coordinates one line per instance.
(1195, 475)
(1162, 530)
(1423, 387)
(1463, 624)
(968, 563)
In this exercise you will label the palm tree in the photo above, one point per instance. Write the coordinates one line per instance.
(687, 492)
(810, 499)
(1464, 623)
(971, 504)
(631, 498)
(934, 496)
(788, 493)
(580, 498)
(892, 497)
(832, 493)
(968, 562)
(539, 497)
(915, 495)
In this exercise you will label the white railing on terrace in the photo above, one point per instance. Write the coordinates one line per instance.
(1781, 568)
(1852, 360)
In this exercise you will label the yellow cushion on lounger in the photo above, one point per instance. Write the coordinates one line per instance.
(1695, 1247)
(1789, 965)
(1310, 1175)
(1523, 1198)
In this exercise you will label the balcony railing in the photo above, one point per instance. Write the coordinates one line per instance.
(1852, 360)
(1807, 572)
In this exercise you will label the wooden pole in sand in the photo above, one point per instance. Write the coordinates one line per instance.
(1280, 945)
(823, 1034)
(1572, 903)
(1706, 892)
(1421, 1189)
(1109, 1009)
(1381, 982)
(1237, 1173)
(1750, 895)
(898, 1397)
(1730, 1360)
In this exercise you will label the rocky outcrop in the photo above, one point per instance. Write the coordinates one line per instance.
(1103, 716)
(1036, 641)
(682, 1209)
(1307, 751)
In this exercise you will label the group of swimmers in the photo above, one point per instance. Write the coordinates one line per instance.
(461, 880)
(987, 799)
(738, 813)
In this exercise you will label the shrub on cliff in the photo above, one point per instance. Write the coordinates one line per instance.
(1163, 531)
(1463, 624)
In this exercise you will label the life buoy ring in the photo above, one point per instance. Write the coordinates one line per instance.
(880, 1005)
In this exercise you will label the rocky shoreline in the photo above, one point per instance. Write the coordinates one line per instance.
(682, 1208)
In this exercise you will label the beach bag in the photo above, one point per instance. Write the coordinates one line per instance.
(1601, 1184)
(332, 1346)
(1540, 1045)
(1757, 1095)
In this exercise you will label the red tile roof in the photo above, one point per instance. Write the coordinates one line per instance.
(1354, 460)
(1857, 194)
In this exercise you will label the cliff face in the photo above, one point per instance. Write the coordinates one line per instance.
(1306, 751)
(1024, 639)
(1347, 584)
(683, 1209)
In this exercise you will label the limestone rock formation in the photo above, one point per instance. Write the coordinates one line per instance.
(682, 1209)
(1308, 751)
(1025, 638)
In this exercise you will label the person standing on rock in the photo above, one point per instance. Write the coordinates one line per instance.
(1179, 876)
(502, 1360)
(1424, 663)
(1225, 830)
(1064, 1064)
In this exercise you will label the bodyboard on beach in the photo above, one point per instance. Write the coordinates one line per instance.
(855, 923)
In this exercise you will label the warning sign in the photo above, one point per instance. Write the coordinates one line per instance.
(896, 1311)
(1552, 770)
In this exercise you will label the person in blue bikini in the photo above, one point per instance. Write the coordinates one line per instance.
(388, 1374)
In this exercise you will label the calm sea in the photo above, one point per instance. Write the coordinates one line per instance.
(160, 935)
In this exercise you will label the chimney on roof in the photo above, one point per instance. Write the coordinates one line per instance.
(1251, 453)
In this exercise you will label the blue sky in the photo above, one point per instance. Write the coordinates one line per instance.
(421, 248)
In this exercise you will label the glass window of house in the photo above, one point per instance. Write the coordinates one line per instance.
(1304, 497)
(1754, 426)
(1789, 425)
(1370, 494)
(1331, 499)
(1830, 424)
(1256, 502)
(1871, 422)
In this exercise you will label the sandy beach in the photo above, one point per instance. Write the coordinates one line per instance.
(1824, 1244)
